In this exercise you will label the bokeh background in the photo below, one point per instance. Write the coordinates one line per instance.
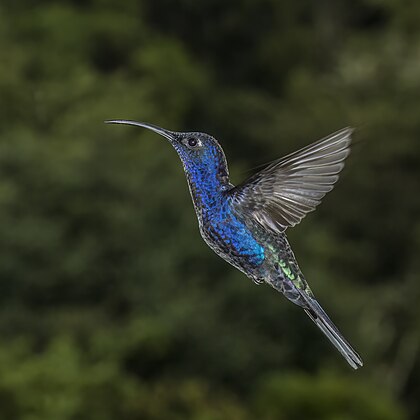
(111, 305)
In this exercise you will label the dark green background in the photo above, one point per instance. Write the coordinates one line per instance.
(111, 306)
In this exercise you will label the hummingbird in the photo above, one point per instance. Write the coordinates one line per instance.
(246, 224)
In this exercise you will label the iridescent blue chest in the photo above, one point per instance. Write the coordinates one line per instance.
(220, 227)
(227, 235)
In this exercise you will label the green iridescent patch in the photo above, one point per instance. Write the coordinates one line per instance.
(286, 270)
(299, 283)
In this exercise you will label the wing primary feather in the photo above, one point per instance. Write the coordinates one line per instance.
(286, 190)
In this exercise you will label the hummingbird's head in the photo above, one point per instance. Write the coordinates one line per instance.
(200, 153)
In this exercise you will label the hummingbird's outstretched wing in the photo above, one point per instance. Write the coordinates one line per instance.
(283, 193)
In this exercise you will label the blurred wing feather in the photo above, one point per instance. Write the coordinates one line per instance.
(283, 193)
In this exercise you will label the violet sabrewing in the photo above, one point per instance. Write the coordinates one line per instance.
(246, 224)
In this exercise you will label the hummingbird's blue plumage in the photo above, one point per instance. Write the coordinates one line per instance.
(245, 224)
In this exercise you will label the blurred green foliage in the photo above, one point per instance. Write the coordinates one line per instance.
(111, 306)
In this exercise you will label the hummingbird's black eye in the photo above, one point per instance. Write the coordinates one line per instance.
(192, 142)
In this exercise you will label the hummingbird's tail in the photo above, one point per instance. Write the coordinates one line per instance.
(324, 323)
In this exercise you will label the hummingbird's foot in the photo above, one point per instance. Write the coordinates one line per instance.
(258, 281)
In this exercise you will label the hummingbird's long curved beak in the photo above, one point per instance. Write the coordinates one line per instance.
(165, 133)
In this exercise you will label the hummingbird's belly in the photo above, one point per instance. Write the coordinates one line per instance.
(233, 241)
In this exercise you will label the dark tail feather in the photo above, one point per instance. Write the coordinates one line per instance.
(324, 323)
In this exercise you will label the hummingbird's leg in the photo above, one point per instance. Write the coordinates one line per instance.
(258, 280)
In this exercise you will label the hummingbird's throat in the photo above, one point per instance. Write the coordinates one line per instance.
(206, 189)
